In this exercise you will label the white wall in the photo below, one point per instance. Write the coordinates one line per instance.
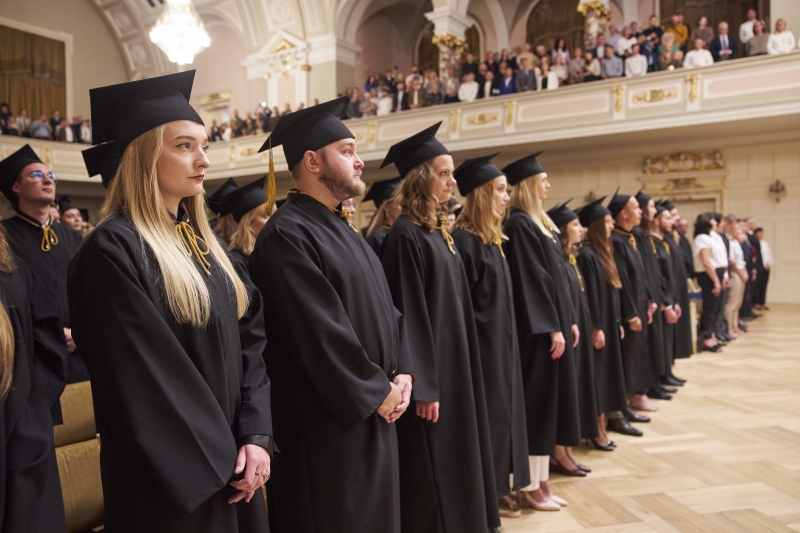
(219, 69)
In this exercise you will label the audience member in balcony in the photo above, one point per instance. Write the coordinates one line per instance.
(612, 66)
(86, 131)
(469, 66)
(386, 101)
(237, 123)
(5, 112)
(491, 64)
(667, 50)
(560, 70)
(389, 78)
(757, 45)
(414, 75)
(540, 52)
(417, 97)
(747, 31)
(431, 77)
(724, 46)
(627, 41)
(702, 31)
(593, 70)
(55, 120)
(648, 46)
(214, 133)
(452, 80)
(634, 26)
(369, 104)
(547, 80)
(13, 128)
(373, 82)
(506, 58)
(679, 30)
(64, 132)
(526, 78)
(613, 36)
(560, 49)
(287, 109)
(491, 86)
(468, 91)
(599, 51)
(24, 123)
(353, 107)
(452, 95)
(225, 132)
(526, 54)
(41, 129)
(654, 27)
(576, 67)
(782, 41)
(507, 85)
(636, 63)
(400, 97)
(699, 57)
(434, 94)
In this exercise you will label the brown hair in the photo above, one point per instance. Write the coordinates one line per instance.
(596, 237)
(478, 215)
(6, 257)
(225, 227)
(416, 200)
(6, 353)
(244, 238)
(563, 238)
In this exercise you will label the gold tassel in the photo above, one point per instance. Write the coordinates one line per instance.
(574, 263)
(499, 242)
(270, 188)
(190, 241)
(445, 234)
(348, 216)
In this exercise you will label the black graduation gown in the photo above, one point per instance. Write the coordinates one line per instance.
(683, 329)
(542, 305)
(633, 298)
(239, 260)
(492, 302)
(50, 268)
(335, 340)
(584, 354)
(658, 293)
(30, 489)
(604, 314)
(376, 238)
(175, 402)
(447, 480)
(664, 256)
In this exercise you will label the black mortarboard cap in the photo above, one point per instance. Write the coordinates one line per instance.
(592, 211)
(523, 169)
(64, 204)
(102, 159)
(381, 191)
(11, 166)
(642, 198)
(618, 203)
(243, 199)
(660, 208)
(124, 111)
(561, 215)
(415, 150)
(669, 205)
(308, 129)
(474, 172)
(214, 202)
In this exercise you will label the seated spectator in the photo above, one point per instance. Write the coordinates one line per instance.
(599, 51)
(287, 109)
(507, 85)
(353, 107)
(679, 30)
(413, 75)
(452, 96)
(13, 127)
(612, 66)
(225, 132)
(702, 31)
(55, 121)
(560, 49)
(432, 77)
(386, 101)
(527, 54)
(654, 27)
(400, 97)
(757, 45)
(540, 52)
(526, 77)
(746, 31)
(417, 97)
(369, 104)
(548, 80)
(613, 38)
(86, 131)
(491, 86)
(636, 63)
(560, 70)
(699, 57)
(372, 83)
(451, 80)
(666, 51)
(593, 70)
(626, 42)
(24, 123)
(577, 66)
(506, 58)
(469, 66)
(649, 49)
(434, 93)
(782, 41)
(468, 91)
(41, 129)
(249, 127)
(214, 133)
(275, 113)
(723, 46)
(65, 132)
(634, 26)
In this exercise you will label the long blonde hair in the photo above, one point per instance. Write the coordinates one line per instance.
(415, 197)
(134, 191)
(6, 353)
(479, 216)
(244, 238)
(225, 227)
(525, 197)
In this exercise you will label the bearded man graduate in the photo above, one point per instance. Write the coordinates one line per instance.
(336, 355)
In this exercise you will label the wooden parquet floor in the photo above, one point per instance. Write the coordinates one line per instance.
(722, 456)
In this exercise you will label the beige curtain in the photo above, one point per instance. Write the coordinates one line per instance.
(32, 73)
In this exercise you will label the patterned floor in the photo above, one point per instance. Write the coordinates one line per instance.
(722, 456)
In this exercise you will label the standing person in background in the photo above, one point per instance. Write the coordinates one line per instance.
(702, 31)
(577, 67)
(724, 46)
(680, 265)
(679, 30)
(757, 46)
(738, 276)
(246, 206)
(386, 212)
(673, 285)
(760, 300)
(782, 40)
(70, 215)
(747, 31)
(756, 269)
(710, 264)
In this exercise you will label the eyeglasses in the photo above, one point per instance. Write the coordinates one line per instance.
(39, 175)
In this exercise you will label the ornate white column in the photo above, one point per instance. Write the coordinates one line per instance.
(449, 30)
(597, 16)
(283, 57)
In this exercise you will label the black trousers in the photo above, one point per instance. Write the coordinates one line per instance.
(761, 288)
(711, 304)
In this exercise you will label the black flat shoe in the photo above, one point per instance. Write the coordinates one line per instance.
(667, 389)
(716, 348)
(672, 381)
(606, 448)
(621, 425)
(633, 416)
(676, 379)
(658, 394)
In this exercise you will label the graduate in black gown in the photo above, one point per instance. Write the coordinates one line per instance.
(246, 204)
(171, 333)
(634, 310)
(386, 212)
(683, 329)
(478, 236)
(570, 235)
(336, 355)
(224, 225)
(546, 326)
(447, 479)
(46, 246)
(602, 281)
(34, 359)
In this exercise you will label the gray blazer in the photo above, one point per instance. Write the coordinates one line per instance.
(526, 82)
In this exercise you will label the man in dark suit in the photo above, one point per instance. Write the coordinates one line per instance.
(723, 46)
(490, 85)
(400, 97)
(526, 77)
(469, 66)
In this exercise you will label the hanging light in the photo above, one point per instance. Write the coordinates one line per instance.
(179, 32)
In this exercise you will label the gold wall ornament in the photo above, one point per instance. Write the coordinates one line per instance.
(305, 68)
(655, 95)
(597, 6)
(454, 120)
(482, 119)
(682, 184)
(693, 87)
(619, 93)
(509, 113)
(248, 152)
(267, 76)
(282, 46)
(232, 156)
(359, 136)
(372, 127)
(683, 162)
(450, 41)
(46, 155)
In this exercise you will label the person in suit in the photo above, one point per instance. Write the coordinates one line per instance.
(723, 46)
(417, 96)
(400, 97)
(490, 86)
(526, 78)
(469, 66)
(507, 85)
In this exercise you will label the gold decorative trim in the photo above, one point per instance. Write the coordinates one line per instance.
(454, 120)
(248, 152)
(267, 76)
(693, 87)
(214, 97)
(450, 41)
(305, 68)
(372, 127)
(682, 184)
(655, 95)
(482, 119)
(509, 113)
(232, 156)
(597, 6)
(46, 155)
(619, 93)
(359, 136)
(683, 162)
(281, 46)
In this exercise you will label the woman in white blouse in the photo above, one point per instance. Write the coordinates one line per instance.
(782, 41)
(548, 79)
(710, 264)
(736, 236)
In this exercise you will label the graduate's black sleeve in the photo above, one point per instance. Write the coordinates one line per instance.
(313, 326)
(149, 390)
(592, 279)
(403, 265)
(469, 256)
(627, 302)
(665, 274)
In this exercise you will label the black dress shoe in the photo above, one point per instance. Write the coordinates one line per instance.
(658, 394)
(675, 378)
(621, 425)
(607, 448)
(723, 337)
(672, 381)
(668, 389)
(633, 416)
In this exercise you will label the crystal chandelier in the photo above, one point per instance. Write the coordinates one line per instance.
(179, 32)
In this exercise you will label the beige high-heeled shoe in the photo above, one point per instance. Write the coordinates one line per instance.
(548, 505)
